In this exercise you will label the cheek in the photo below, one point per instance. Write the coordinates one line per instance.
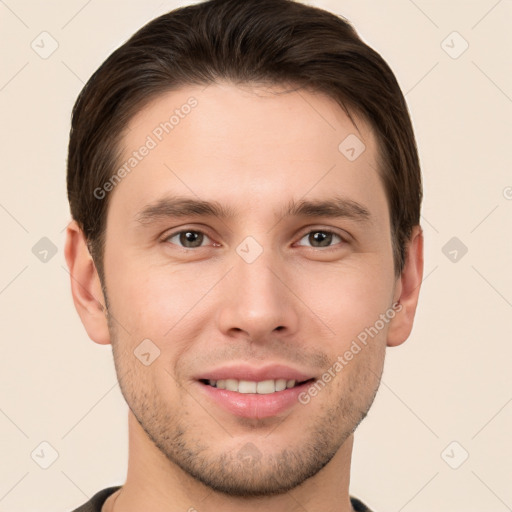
(349, 300)
(158, 302)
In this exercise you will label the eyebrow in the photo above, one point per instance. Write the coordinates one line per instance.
(179, 206)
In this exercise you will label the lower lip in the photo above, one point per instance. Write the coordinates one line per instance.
(252, 405)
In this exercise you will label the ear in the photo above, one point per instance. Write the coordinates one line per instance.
(86, 285)
(407, 290)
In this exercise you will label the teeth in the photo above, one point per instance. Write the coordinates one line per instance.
(231, 385)
(246, 386)
(280, 384)
(263, 387)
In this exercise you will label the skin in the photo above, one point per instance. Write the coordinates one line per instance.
(297, 303)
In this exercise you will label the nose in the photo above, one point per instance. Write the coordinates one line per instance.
(256, 301)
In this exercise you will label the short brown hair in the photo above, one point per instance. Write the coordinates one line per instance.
(268, 42)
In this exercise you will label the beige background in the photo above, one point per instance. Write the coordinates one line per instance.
(450, 382)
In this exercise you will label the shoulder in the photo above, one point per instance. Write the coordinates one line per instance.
(359, 506)
(97, 501)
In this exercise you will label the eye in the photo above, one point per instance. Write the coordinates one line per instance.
(321, 238)
(188, 238)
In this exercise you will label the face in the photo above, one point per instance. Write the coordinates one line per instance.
(251, 254)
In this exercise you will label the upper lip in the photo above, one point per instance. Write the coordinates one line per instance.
(244, 372)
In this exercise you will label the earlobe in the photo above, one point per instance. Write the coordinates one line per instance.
(86, 285)
(408, 289)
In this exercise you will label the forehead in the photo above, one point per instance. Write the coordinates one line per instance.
(242, 145)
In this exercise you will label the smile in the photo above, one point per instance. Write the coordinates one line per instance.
(264, 387)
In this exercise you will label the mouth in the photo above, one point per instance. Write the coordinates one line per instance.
(254, 393)
(246, 391)
(263, 387)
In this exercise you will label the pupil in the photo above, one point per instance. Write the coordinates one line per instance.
(320, 239)
(191, 239)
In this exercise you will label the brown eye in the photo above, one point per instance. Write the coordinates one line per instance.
(321, 238)
(188, 239)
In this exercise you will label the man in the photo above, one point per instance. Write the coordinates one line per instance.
(245, 188)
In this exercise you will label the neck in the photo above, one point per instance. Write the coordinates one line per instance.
(155, 483)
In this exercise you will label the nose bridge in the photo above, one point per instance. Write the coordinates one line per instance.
(256, 301)
(257, 283)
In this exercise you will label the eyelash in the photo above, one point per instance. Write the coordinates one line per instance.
(325, 231)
